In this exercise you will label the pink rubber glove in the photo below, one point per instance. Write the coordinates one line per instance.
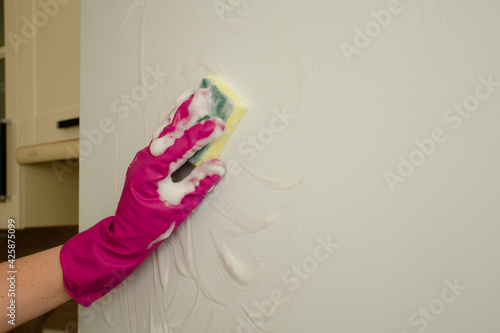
(151, 206)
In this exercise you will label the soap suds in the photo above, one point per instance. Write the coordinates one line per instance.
(276, 183)
(172, 193)
(239, 270)
(163, 236)
(198, 109)
(183, 97)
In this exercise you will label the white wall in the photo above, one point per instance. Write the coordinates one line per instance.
(322, 176)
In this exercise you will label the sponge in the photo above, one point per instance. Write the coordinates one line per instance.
(227, 105)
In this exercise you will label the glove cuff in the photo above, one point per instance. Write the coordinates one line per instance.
(91, 266)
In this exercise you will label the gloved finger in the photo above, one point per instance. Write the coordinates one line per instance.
(192, 110)
(169, 119)
(191, 190)
(184, 97)
(172, 126)
(177, 151)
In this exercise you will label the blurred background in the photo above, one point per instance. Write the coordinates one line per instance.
(39, 115)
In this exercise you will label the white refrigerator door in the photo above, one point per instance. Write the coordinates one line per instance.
(362, 192)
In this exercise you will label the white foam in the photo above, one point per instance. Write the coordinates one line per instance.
(198, 109)
(172, 193)
(184, 97)
(163, 236)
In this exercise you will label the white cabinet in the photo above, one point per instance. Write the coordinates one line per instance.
(42, 47)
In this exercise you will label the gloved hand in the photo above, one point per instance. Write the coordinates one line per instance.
(151, 205)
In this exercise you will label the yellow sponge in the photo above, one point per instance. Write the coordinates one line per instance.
(226, 104)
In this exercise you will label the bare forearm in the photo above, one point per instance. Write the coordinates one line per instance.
(38, 286)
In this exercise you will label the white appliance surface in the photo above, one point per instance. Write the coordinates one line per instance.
(363, 189)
